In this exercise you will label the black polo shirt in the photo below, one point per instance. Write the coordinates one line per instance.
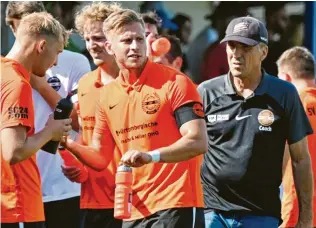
(242, 170)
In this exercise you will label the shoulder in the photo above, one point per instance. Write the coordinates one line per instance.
(214, 84)
(88, 78)
(279, 87)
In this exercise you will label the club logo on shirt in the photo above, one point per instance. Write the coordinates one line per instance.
(54, 82)
(151, 103)
(266, 119)
(18, 113)
(198, 110)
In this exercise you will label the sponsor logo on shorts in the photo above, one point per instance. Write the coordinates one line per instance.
(151, 103)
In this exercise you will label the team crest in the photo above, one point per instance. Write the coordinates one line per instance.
(151, 103)
(266, 118)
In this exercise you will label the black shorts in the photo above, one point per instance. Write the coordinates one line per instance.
(99, 218)
(25, 225)
(63, 213)
(170, 218)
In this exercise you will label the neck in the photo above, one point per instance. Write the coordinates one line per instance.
(109, 71)
(22, 55)
(245, 86)
(303, 83)
(135, 73)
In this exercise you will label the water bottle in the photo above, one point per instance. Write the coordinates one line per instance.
(123, 192)
(62, 111)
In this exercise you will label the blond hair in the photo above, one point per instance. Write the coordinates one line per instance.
(97, 11)
(118, 19)
(43, 24)
(18, 10)
(298, 60)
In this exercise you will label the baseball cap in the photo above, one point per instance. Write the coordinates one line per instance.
(246, 30)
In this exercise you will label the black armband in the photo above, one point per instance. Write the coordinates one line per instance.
(188, 112)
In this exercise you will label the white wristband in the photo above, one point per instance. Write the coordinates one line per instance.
(155, 155)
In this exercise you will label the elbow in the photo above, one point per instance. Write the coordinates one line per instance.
(17, 157)
(203, 147)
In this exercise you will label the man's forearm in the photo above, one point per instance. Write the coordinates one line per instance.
(185, 148)
(303, 178)
(88, 155)
(31, 146)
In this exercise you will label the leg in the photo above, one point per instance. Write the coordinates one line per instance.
(9, 225)
(199, 218)
(258, 222)
(214, 220)
(34, 225)
(99, 218)
(63, 213)
(171, 218)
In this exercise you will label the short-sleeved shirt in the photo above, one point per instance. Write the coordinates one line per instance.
(98, 190)
(140, 115)
(290, 210)
(21, 186)
(242, 170)
(63, 78)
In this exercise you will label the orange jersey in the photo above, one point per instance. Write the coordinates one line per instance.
(290, 208)
(21, 197)
(140, 115)
(98, 190)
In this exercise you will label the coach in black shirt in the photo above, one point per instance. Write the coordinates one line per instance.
(250, 116)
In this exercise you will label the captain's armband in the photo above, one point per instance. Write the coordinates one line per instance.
(188, 112)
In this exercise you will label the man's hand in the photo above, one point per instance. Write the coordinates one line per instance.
(74, 174)
(149, 40)
(58, 128)
(134, 158)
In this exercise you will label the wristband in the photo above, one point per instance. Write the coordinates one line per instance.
(155, 156)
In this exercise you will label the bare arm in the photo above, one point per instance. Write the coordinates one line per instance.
(97, 156)
(52, 97)
(303, 179)
(17, 146)
(192, 143)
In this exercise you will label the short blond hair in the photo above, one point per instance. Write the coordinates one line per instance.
(298, 60)
(18, 10)
(43, 24)
(97, 11)
(118, 19)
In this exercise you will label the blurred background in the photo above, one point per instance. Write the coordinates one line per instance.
(200, 25)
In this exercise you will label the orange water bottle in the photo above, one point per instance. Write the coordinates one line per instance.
(123, 192)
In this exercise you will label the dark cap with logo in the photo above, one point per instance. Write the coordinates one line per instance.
(246, 30)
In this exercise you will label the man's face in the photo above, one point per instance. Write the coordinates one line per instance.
(95, 39)
(47, 57)
(128, 45)
(243, 60)
(150, 28)
(14, 24)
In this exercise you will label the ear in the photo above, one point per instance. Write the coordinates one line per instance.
(285, 77)
(177, 63)
(108, 47)
(41, 45)
(265, 51)
(13, 29)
